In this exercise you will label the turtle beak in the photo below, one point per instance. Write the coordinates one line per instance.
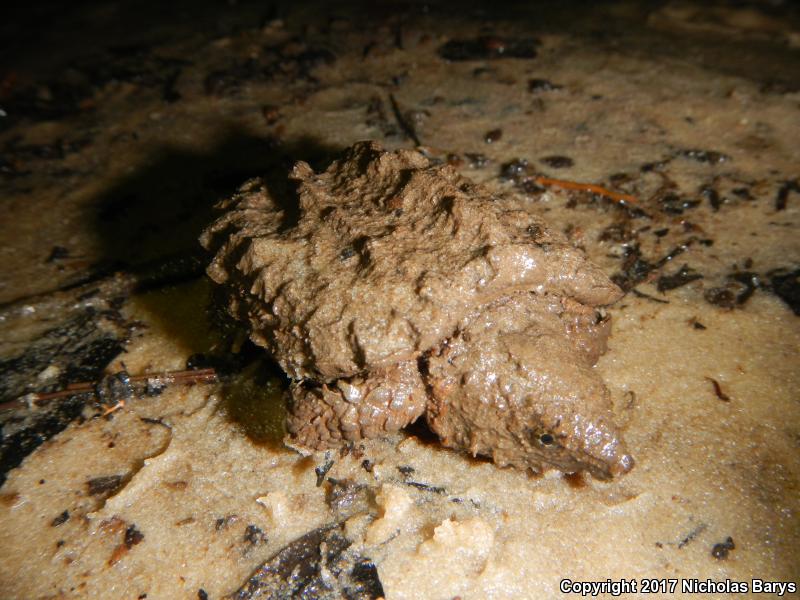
(596, 446)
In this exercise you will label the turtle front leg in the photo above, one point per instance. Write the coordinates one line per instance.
(355, 408)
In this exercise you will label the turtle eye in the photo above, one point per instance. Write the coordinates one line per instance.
(546, 439)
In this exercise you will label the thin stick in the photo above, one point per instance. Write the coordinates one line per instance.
(72, 389)
(588, 187)
(406, 125)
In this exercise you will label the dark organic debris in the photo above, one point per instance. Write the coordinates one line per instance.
(743, 193)
(322, 470)
(634, 268)
(703, 156)
(518, 173)
(782, 196)
(254, 536)
(57, 253)
(737, 290)
(720, 296)
(621, 178)
(434, 489)
(407, 470)
(619, 232)
(406, 124)
(575, 480)
(365, 577)
(476, 160)
(223, 364)
(376, 117)
(718, 390)
(720, 551)
(316, 565)
(677, 250)
(118, 387)
(489, 47)
(542, 85)
(530, 186)
(114, 388)
(675, 204)
(680, 278)
(557, 161)
(60, 519)
(105, 485)
(712, 195)
(514, 170)
(16, 444)
(656, 166)
(81, 345)
(346, 497)
(786, 285)
(133, 536)
(492, 136)
(671, 202)
(224, 522)
(690, 537)
(166, 271)
(750, 282)
(697, 324)
(640, 294)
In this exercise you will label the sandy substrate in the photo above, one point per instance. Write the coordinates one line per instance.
(183, 494)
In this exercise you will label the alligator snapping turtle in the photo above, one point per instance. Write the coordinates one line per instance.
(388, 287)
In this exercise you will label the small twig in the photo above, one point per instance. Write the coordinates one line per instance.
(639, 294)
(783, 193)
(692, 535)
(405, 125)
(624, 199)
(89, 387)
(718, 390)
(115, 408)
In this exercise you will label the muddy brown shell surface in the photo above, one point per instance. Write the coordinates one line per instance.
(378, 258)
